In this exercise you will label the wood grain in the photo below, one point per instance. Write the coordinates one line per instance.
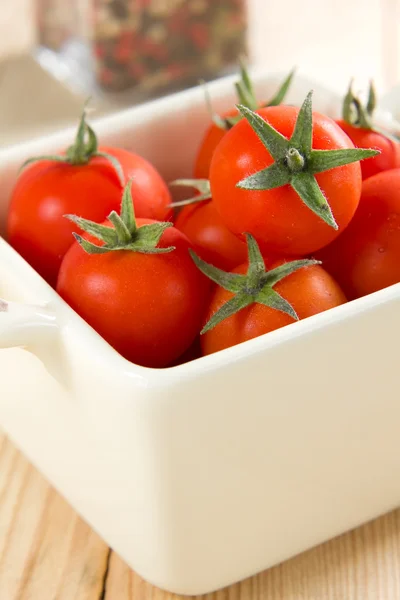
(48, 553)
(361, 565)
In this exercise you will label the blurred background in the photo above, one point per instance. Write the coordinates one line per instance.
(54, 53)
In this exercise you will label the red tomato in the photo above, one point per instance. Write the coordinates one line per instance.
(149, 307)
(214, 243)
(210, 141)
(214, 134)
(150, 193)
(366, 257)
(47, 190)
(309, 290)
(43, 194)
(278, 218)
(389, 157)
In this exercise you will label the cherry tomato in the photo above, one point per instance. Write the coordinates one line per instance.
(214, 243)
(366, 257)
(44, 193)
(212, 137)
(389, 157)
(309, 290)
(149, 307)
(48, 189)
(280, 221)
(359, 123)
(151, 196)
(222, 123)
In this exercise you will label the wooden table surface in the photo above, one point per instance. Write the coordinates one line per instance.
(48, 553)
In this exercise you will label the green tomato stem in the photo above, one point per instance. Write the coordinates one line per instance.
(254, 287)
(123, 234)
(296, 163)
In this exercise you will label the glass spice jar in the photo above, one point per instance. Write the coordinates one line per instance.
(148, 47)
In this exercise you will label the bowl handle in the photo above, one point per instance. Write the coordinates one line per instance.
(36, 329)
(25, 324)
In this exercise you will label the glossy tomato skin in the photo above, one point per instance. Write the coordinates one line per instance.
(149, 307)
(44, 193)
(210, 141)
(48, 190)
(150, 193)
(366, 257)
(214, 243)
(278, 218)
(389, 157)
(310, 290)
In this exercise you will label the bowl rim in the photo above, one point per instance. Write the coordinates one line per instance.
(96, 344)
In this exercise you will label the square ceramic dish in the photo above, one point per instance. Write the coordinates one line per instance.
(202, 474)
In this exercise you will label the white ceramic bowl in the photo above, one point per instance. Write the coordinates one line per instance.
(202, 474)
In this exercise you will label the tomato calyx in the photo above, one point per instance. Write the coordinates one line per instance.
(360, 115)
(124, 233)
(354, 112)
(84, 148)
(201, 185)
(256, 286)
(247, 97)
(296, 163)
